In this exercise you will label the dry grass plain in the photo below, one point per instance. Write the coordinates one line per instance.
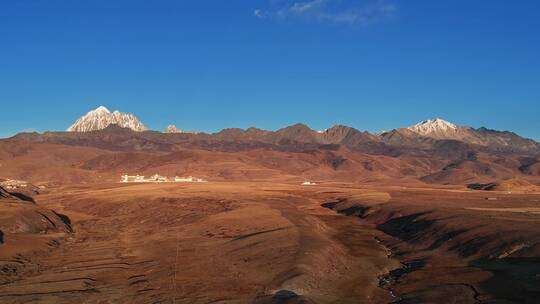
(242, 242)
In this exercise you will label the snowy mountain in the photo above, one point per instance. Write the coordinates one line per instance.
(441, 129)
(434, 127)
(172, 129)
(101, 118)
(430, 135)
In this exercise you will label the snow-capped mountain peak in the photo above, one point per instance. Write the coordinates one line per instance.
(433, 126)
(101, 118)
(100, 109)
(171, 129)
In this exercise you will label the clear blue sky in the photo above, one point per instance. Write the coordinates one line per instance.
(207, 65)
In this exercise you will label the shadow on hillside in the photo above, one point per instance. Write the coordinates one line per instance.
(23, 197)
(65, 219)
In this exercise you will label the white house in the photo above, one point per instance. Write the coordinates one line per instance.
(159, 179)
(189, 179)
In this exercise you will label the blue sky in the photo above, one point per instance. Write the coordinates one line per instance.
(207, 65)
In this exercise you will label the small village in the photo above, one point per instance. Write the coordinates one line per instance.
(12, 184)
(156, 178)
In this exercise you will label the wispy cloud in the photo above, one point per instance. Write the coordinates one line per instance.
(336, 11)
(259, 13)
(303, 7)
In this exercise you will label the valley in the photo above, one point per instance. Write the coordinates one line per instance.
(242, 242)
(433, 213)
(270, 152)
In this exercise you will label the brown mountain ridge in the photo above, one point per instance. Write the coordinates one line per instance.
(297, 152)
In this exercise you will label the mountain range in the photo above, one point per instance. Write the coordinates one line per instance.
(101, 118)
(102, 144)
(425, 135)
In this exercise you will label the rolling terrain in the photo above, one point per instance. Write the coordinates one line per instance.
(433, 213)
(296, 153)
(255, 242)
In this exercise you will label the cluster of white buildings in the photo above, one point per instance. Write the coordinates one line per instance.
(156, 178)
(11, 184)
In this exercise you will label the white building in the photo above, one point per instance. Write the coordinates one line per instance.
(132, 179)
(156, 178)
(189, 179)
(14, 184)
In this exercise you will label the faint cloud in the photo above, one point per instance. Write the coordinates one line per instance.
(258, 13)
(302, 7)
(336, 11)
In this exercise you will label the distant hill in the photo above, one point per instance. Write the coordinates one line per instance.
(434, 151)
